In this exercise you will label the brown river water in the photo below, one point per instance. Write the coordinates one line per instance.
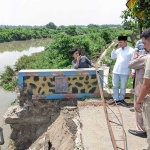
(10, 52)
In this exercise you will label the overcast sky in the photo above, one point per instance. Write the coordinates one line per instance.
(61, 12)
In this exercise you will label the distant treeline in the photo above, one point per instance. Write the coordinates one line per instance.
(78, 26)
(17, 33)
(20, 26)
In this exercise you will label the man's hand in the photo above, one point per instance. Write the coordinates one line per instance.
(116, 46)
(137, 107)
(137, 54)
(132, 75)
(78, 58)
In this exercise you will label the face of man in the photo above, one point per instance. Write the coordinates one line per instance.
(122, 44)
(75, 54)
(146, 43)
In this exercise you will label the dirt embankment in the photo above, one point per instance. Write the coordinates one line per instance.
(61, 135)
(44, 124)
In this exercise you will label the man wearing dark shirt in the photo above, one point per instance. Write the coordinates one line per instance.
(80, 61)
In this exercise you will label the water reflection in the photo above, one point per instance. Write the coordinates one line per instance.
(10, 52)
(23, 45)
(9, 58)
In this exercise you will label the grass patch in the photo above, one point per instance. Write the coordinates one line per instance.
(14, 102)
(8, 80)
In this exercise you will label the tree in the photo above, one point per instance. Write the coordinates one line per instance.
(139, 11)
(71, 30)
(51, 25)
(129, 25)
(93, 26)
(106, 35)
(61, 27)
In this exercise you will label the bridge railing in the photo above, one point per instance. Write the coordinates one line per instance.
(59, 83)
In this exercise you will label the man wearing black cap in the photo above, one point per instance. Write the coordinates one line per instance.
(121, 71)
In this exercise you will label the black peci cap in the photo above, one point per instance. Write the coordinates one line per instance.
(122, 38)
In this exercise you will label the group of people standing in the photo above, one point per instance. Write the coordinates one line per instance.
(134, 62)
(138, 61)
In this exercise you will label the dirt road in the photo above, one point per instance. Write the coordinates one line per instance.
(95, 135)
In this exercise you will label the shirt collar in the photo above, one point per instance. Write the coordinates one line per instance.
(125, 48)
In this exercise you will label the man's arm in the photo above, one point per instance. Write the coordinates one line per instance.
(132, 57)
(89, 62)
(76, 64)
(78, 60)
(113, 54)
(145, 89)
(137, 63)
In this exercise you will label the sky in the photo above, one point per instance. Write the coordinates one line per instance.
(61, 12)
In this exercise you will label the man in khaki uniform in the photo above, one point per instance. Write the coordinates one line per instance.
(138, 64)
(144, 96)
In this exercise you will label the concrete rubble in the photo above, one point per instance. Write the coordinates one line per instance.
(44, 125)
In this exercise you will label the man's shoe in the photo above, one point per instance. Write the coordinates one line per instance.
(114, 102)
(123, 103)
(134, 132)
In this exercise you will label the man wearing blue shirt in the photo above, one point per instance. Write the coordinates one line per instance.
(121, 71)
(80, 61)
(139, 47)
(140, 50)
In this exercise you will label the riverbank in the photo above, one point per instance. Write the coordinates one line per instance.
(10, 52)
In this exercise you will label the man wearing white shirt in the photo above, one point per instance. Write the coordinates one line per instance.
(121, 71)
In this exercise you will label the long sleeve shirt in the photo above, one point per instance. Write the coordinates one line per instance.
(83, 63)
(139, 65)
(139, 47)
(123, 56)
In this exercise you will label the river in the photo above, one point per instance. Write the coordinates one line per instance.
(10, 52)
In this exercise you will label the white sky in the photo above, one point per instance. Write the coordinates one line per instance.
(61, 12)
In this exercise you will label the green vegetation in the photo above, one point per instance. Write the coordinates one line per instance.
(8, 79)
(18, 33)
(51, 25)
(9, 34)
(137, 16)
(90, 41)
(12, 144)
